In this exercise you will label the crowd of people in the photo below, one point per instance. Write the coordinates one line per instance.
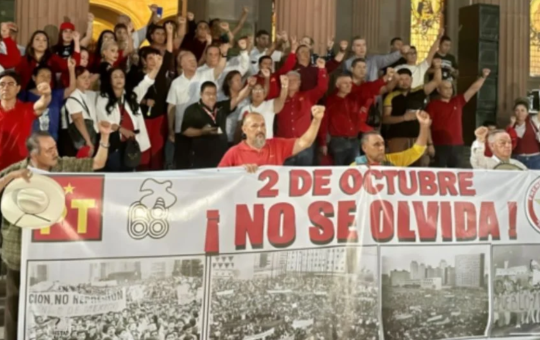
(202, 96)
(295, 307)
(153, 314)
(414, 313)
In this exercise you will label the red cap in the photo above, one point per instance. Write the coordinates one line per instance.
(84, 152)
(67, 26)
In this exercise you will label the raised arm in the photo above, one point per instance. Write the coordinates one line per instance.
(478, 158)
(12, 57)
(435, 47)
(43, 102)
(72, 78)
(279, 102)
(437, 79)
(477, 85)
(425, 122)
(251, 82)
(322, 82)
(241, 22)
(308, 138)
(218, 70)
(180, 33)
(100, 159)
(148, 80)
(89, 31)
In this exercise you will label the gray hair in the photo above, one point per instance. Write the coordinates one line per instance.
(366, 135)
(32, 143)
(493, 134)
(294, 73)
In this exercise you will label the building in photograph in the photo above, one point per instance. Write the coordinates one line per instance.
(470, 270)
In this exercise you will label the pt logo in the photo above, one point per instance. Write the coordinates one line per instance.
(532, 204)
(149, 215)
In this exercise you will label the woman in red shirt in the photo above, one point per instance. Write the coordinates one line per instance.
(527, 150)
(13, 55)
(38, 51)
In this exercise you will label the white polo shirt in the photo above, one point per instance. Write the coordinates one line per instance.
(184, 92)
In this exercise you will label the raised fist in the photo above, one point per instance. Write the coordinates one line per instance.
(321, 63)
(44, 89)
(486, 72)
(318, 111)
(481, 133)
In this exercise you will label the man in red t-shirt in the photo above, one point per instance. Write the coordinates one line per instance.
(257, 151)
(446, 113)
(16, 117)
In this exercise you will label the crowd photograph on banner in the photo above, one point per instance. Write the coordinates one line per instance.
(117, 299)
(330, 293)
(269, 170)
(435, 292)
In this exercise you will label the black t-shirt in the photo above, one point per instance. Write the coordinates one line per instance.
(157, 92)
(64, 51)
(208, 150)
(448, 61)
(401, 103)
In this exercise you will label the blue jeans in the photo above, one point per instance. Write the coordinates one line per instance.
(343, 150)
(531, 162)
(304, 158)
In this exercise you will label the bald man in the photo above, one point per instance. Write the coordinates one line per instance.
(257, 151)
(446, 114)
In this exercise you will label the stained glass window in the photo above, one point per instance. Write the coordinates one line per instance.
(535, 39)
(427, 16)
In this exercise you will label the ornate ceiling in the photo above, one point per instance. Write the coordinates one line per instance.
(107, 11)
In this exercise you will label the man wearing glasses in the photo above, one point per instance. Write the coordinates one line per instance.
(17, 118)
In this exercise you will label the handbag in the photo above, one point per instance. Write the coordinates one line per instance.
(73, 131)
(131, 149)
(374, 117)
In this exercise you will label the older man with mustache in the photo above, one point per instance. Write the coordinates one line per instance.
(257, 151)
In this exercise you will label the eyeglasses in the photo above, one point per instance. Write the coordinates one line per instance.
(5, 85)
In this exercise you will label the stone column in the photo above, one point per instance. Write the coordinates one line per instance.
(316, 18)
(35, 15)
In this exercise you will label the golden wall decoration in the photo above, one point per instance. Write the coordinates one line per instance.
(427, 16)
(535, 39)
(137, 10)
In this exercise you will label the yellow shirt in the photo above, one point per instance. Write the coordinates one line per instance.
(404, 158)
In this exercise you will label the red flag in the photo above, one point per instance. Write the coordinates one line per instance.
(82, 214)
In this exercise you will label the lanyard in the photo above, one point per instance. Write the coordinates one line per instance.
(212, 114)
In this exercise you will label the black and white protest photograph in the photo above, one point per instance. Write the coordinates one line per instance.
(516, 291)
(120, 299)
(435, 292)
(329, 293)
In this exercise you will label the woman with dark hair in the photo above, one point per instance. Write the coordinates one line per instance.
(38, 53)
(121, 107)
(50, 119)
(232, 86)
(80, 110)
(66, 45)
(526, 126)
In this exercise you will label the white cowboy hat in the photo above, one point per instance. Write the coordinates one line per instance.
(36, 204)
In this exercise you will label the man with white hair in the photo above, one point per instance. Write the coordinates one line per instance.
(256, 150)
(501, 144)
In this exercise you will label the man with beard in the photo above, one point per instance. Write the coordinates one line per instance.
(256, 151)
(400, 109)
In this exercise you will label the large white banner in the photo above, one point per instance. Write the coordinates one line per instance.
(324, 253)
